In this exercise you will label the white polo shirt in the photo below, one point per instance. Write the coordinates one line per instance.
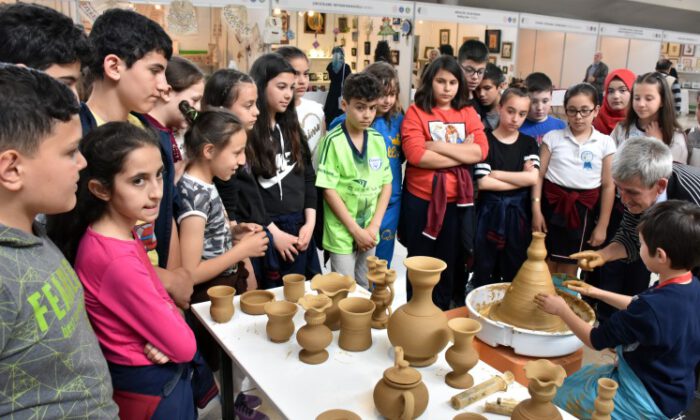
(577, 165)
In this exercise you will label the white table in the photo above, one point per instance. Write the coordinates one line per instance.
(346, 380)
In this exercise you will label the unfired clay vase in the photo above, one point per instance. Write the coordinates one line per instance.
(355, 323)
(545, 377)
(315, 336)
(401, 393)
(293, 287)
(381, 283)
(280, 325)
(335, 286)
(462, 356)
(518, 306)
(419, 326)
(604, 404)
(221, 297)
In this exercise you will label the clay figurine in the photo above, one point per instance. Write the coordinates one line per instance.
(462, 356)
(545, 377)
(315, 336)
(401, 393)
(335, 286)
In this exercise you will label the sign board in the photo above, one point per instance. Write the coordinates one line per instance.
(468, 15)
(632, 32)
(549, 23)
(681, 38)
(400, 9)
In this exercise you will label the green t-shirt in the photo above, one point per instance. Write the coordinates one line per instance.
(357, 177)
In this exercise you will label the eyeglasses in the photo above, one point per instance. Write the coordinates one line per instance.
(471, 71)
(571, 112)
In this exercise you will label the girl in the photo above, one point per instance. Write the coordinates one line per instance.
(617, 88)
(215, 144)
(505, 179)
(127, 305)
(281, 164)
(652, 114)
(574, 179)
(388, 123)
(337, 72)
(438, 181)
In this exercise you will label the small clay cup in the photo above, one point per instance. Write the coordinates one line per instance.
(355, 323)
(222, 308)
(253, 302)
(338, 414)
(293, 287)
(280, 325)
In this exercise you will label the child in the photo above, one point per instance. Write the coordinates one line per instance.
(539, 122)
(127, 305)
(281, 164)
(664, 67)
(617, 88)
(505, 178)
(441, 136)
(388, 123)
(575, 179)
(489, 95)
(40, 294)
(656, 334)
(354, 171)
(42, 38)
(215, 144)
(652, 115)
(694, 138)
(473, 56)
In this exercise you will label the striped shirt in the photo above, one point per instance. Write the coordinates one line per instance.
(684, 184)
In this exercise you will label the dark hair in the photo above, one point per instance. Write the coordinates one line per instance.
(129, 36)
(473, 50)
(494, 74)
(585, 89)
(446, 49)
(290, 53)
(674, 226)
(364, 86)
(105, 149)
(214, 126)
(663, 65)
(538, 82)
(510, 92)
(39, 37)
(260, 150)
(382, 52)
(221, 89)
(32, 103)
(667, 113)
(181, 73)
(387, 76)
(424, 95)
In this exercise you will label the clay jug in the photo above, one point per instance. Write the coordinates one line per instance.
(222, 308)
(462, 356)
(518, 305)
(545, 377)
(401, 393)
(335, 286)
(419, 326)
(382, 285)
(280, 325)
(604, 404)
(314, 337)
(293, 287)
(355, 324)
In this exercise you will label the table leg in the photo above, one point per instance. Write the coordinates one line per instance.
(227, 391)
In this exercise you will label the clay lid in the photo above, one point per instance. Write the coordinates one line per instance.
(401, 373)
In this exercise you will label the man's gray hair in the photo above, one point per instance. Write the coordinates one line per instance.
(647, 158)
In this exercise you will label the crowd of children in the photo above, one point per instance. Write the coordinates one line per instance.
(163, 183)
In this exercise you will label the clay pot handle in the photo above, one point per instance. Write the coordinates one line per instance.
(399, 362)
(409, 406)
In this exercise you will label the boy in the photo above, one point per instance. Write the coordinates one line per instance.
(473, 56)
(539, 122)
(354, 171)
(656, 333)
(51, 365)
(489, 93)
(42, 38)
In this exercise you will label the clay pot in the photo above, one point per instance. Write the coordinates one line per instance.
(462, 356)
(335, 286)
(382, 284)
(221, 297)
(314, 337)
(355, 323)
(419, 326)
(401, 393)
(338, 414)
(518, 306)
(294, 287)
(545, 377)
(604, 404)
(280, 325)
(469, 416)
(253, 302)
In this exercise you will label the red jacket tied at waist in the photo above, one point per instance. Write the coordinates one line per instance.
(564, 201)
(438, 200)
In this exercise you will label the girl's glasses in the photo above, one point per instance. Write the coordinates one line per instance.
(571, 112)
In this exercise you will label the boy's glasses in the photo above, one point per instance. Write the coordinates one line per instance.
(471, 71)
(571, 112)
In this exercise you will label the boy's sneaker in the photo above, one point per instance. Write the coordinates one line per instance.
(243, 412)
(250, 400)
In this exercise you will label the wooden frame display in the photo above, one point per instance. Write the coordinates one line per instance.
(674, 50)
(507, 50)
(493, 40)
(315, 24)
(444, 36)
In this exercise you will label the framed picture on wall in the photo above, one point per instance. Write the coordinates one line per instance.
(353, 52)
(426, 52)
(504, 69)
(688, 50)
(664, 48)
(674, 50)
(343, 24)
(507, 50)
(493, 59)
(493, 40)
(444, 36)
(353, 66)
(314, 23)
(395, 54)
(674, 62)
(368, 48)
(365, 63)
(687, 63)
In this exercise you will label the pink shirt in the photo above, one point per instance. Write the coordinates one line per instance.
(127, 304)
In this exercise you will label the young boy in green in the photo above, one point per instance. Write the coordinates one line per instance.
(354, 171)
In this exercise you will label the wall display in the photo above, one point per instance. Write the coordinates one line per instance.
(395, 54)
(507, 50)
(687, 63)
(314, 23)
(396, 21)
(313, 77)
(444, 36)
(353, 52)
(343, 25)
(504, 69)
(426, 52)
(493, 59)
(326, 77)
(353, 66)
(365, 63)
(368, 48)
(674, 50)
(688, 50)
(493, 40)
(396, 36)
(664, 48)
(674, 61)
